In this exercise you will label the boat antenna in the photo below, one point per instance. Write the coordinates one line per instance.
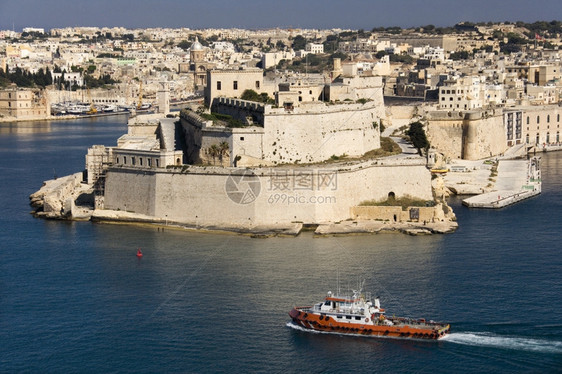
(339, 282)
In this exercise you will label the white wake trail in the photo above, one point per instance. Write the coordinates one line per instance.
(495, 341)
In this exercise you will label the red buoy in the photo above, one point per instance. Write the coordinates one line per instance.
(139, 253)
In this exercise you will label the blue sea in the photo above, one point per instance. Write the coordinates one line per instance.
(74, 298)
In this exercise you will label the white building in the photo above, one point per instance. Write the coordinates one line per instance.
(462, 94)
(436, 53)
(314, 48)
(34, 29)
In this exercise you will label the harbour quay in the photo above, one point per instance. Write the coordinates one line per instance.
(516, 180)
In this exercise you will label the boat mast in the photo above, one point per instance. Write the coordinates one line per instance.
(339, 282)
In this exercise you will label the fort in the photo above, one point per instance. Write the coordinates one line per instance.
(287, 168)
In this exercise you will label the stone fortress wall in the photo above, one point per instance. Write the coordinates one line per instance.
(227, 197)
(311, 132)
(315, 132)
(469, 135)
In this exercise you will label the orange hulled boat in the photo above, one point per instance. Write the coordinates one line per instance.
(357, 315)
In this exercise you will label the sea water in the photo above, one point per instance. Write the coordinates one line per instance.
(75, 298)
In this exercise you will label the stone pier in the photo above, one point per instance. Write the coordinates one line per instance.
(516, 180)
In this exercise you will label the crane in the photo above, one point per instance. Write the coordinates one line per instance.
(93, 109)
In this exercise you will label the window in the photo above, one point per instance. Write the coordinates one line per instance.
(257, 84)
(235, 85)
(538, 119)
(117, 160)
(157, 162)
(241, 138)
(140, 161)
(149, 161)
(124, 160)
(132, 160)
(548, 118)
(219, 85)
(527, 121)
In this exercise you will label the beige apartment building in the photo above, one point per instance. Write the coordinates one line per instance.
(23, 104)
(232, 83)
(541, 125)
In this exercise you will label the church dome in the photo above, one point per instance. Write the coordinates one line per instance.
(196, 46)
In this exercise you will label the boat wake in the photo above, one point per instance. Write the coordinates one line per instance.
(297, 327)
(483, 339)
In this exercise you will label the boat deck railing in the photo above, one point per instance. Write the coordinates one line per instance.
(397, 321)
(346, 311)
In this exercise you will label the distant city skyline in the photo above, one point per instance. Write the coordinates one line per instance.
(252, 14)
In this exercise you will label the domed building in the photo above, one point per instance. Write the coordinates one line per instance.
(198, 66)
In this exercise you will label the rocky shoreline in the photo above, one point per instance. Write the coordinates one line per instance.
(67, 198)
(349, 227)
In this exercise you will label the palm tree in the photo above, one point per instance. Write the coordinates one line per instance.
(223, 149)
(213, 152)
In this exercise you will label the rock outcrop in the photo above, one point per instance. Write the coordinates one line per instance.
(64, 198)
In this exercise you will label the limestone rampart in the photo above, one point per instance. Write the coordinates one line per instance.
(471, 135)
(305, 134)
(248, 112)
(209, 196)
(312, 133)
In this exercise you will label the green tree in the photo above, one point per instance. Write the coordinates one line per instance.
(418, 137)
(461, 55)
(184, 44)
(299, 42)
(250, 95)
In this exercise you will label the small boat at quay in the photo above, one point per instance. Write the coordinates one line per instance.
(358, 315)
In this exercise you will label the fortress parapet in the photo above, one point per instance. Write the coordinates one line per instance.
(469, 135)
